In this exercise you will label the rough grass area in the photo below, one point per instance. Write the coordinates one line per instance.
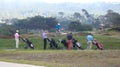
(64, 58)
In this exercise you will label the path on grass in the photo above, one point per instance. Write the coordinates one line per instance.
(9, 64)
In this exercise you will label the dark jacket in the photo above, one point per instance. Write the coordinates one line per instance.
(69, 37)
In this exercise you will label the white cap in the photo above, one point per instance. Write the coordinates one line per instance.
(58, 23)
(17, 30)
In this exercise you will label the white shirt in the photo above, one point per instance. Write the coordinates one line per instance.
(45, 35)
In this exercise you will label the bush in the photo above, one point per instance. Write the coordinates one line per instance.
(77, 26)
(115, 29)
(7, 30)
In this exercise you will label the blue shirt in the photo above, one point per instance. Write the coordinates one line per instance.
(89, 37)
(58, 27)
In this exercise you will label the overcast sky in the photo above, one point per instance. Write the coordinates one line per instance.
(81, 1)
(59, 1)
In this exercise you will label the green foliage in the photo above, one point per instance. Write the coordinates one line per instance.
(74, 26)
(96, 24)
(77, 26)
(7, 30)
(113, 17)
(37, 22)
(114, 29)
(77, 15)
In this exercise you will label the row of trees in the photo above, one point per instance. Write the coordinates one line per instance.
(75, 23)
(40, 23)
(77, 26)
(111, 18)
(85, 18)
(49, 23)
(37, 22)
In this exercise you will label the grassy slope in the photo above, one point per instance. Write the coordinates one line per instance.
(64, 58)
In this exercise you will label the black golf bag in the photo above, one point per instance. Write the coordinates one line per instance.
(29, 43)
(76, 44)
(53, 43)
(64, 42)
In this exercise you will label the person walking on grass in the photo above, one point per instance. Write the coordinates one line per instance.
(45, 38)
(17, 36)
(89, 41)
(69, 37)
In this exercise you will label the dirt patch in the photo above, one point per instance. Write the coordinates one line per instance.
(6, 37)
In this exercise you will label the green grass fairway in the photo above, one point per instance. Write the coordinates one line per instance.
(109, 43)
(109, 57)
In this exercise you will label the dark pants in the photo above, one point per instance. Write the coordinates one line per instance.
(45, 43)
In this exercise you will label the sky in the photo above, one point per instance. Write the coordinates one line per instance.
(61, 1)
(80, 1)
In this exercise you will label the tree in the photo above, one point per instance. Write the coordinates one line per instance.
(113, 18)
(7, 30)
(37, 22)
(61, 13)
(77, 26)
(74, 26)
(85, 12)
(110, 11)
(77, 15)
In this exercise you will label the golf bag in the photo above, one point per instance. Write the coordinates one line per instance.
(76, 44)
(64, 43)
(98, 44)
(29, 43)
(53, 43)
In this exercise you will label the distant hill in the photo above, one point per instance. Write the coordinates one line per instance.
(47, 8)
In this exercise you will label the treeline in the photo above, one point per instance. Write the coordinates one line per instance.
(40, 23)
(77, 26)
(37, 22)
(49, 23)
(76, 22)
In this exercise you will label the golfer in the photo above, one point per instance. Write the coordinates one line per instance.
(17, 36)
(89, 41)
(58, 27)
